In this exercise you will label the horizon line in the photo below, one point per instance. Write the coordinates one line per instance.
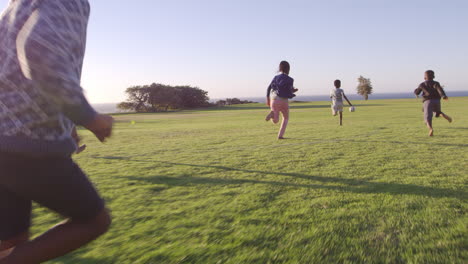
(247, 97)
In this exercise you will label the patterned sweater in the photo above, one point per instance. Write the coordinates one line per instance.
(42, 45)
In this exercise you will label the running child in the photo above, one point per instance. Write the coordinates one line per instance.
(432, 92)
(42, 45)
(279, 92)
(337, 96)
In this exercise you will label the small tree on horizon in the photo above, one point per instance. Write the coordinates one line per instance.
(364, 87)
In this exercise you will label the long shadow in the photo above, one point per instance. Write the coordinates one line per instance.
(295, 106)
(404, 143)
(76, 258)
(111, 157)
(350, 185)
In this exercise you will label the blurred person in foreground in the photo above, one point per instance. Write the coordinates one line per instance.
(42, 46)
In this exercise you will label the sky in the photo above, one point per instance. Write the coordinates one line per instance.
(232, 48)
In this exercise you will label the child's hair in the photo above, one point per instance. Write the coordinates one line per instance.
(430, 74)
(284, 67)
(337, 83)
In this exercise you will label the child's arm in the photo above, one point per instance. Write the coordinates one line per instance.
(418, 91)
(293, 89)
(350, 104)
(49, 54)
(268, 94)
(441, 91)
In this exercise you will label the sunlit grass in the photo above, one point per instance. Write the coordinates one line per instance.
(215, 186)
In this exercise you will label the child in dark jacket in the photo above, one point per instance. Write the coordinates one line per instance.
(432, 92)
(42, 46)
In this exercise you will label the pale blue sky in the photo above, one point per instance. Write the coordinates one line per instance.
(232, 47)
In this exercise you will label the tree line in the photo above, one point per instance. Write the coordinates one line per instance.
(232, 101)
(159, 97)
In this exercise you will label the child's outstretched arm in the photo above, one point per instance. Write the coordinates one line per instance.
(441, 91)
(292, 88)
(350, 104)
(268, 95)
(418, 91)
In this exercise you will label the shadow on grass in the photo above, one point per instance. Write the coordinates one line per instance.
(458, 128)
(348, 185)
(76, 258)
(112, 157)
(404, 143)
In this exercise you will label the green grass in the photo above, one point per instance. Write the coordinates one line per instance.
(215, 186)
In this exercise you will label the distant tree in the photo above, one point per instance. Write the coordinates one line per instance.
(236, 101)
(192, 97)
(364, 87)
(159, 97)
(221, 103)
(137, 99)
(163, 97)
(232, 101)
(126, 106)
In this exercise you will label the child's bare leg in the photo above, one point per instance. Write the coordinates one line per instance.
(284, 124)
(341, 118)
(276, 117)
(429, 125)
(447, 117)
(269, 116)
(59, 240)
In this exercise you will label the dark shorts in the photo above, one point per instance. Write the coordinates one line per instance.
(430, 107)
(53, 182)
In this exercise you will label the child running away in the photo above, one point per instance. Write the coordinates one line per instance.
(432, 92)
(337, 96)
(279, 92)
(42, 45)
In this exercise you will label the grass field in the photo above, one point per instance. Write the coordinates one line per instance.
(216, 186)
